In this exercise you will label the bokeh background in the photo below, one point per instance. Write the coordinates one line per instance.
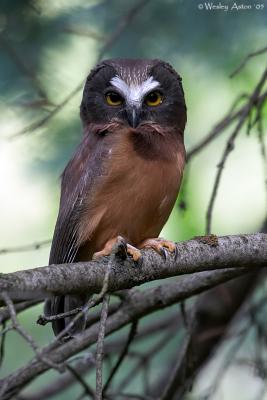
(46, 50)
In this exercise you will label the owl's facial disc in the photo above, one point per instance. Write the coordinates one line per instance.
(134, 94)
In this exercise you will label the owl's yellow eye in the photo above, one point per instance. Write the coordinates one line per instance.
(113, 99)
(153, 99)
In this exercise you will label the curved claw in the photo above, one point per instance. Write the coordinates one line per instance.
(161, 246)
(123, 250)
(163, 252)
(134, 253)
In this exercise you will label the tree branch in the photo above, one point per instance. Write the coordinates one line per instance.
(86, 364)
(199, 254)
(139, 304)
(247, 58)
(26, 247)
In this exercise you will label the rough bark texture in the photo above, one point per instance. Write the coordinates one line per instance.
(196, 255)
(140, 303)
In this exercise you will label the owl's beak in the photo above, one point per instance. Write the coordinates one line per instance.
(133, 116)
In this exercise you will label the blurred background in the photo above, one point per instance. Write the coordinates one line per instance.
(46, 51)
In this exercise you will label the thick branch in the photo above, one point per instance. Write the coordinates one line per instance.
(199, 254)
(140, 303)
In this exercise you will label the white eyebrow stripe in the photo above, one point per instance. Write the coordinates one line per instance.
(134, 93)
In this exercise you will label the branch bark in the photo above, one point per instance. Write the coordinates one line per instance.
(139, 304)
(196, 255)
(209, 259)
(214, 312)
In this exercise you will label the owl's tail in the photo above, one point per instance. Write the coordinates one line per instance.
(62, 304)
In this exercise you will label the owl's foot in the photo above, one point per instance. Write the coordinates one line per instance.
(125, 249)
(160, 246)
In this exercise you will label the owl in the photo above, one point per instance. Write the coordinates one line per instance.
(125, 175)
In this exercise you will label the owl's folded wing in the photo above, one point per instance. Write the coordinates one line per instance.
(78, 179)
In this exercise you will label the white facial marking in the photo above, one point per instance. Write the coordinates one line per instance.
(134, 93)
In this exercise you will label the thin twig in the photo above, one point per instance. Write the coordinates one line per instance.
(123, 354)
(100, 346)
(43, 319)
(5, 330)
(24, 68)
(143, 303)
(223, 368)
(84, 310)
(103, 320)
(41, 122)
(246, 59)
(89, 304)
(2, 344)
(66, 380)
(187, 350)
(18, 327)
(253, 100)
(228, 148)
(160, 344)
(121, 26)
(87, 389)
(5, 315)
(220, 128)
(26, 247)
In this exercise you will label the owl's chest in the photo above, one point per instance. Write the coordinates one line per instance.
(134, 196)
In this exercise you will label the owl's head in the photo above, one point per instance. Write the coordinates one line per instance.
(134, 91)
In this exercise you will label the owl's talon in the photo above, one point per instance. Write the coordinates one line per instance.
(134, 253)
(97, 256)
(161, 246)
(124, 250)
(163, 252)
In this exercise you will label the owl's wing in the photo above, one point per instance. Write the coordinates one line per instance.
(78, 179)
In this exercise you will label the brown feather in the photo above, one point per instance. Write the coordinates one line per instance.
(135, 195)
